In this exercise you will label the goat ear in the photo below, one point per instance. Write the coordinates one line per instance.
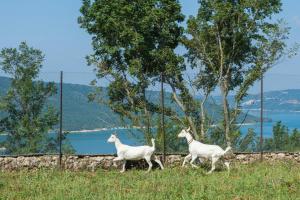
(188, 129)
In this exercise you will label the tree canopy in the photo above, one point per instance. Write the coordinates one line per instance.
(133, 43)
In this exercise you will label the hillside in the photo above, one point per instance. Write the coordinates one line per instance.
(281, 101)
(276, 101)
(79, 114)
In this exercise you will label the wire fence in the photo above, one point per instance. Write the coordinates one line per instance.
(86, 125)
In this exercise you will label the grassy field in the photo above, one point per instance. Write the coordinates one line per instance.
(254, 181)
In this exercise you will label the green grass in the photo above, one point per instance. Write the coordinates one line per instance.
(270, 181)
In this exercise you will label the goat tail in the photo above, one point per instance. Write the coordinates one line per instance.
(227, 150)
(153, 143)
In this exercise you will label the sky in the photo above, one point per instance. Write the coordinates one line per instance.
(51, 26)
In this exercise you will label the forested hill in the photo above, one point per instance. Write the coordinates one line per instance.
(277, 101)
(281, 101)
(79, 114)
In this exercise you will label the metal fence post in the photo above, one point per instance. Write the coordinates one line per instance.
(60, 120)
(163, 116)
(261, 114)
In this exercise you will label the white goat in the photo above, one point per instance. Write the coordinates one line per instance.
(198, 149)
(126, 152)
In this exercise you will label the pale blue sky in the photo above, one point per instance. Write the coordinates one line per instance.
(51, 25)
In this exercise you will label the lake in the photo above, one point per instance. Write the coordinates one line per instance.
(96, 142)
(289, 119)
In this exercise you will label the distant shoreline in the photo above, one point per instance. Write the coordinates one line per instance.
(97, 129)
(124, 128)
(240, 124)
(267, 110)
(104, 129)
(137, 127)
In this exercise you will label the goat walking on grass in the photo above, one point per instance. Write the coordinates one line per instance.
(126, 152)
(198, 149)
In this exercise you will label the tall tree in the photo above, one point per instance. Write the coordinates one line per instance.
(27, 117)
(133, 43)
(235, 41)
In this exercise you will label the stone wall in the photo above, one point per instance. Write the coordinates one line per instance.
(93, 162)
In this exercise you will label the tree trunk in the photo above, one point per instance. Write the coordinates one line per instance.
(202, 123)
(224, 91)
(193, 127)
(183, 108)
(203, 118)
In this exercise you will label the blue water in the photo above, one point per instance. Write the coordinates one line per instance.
(289, 119)
(96, 142)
